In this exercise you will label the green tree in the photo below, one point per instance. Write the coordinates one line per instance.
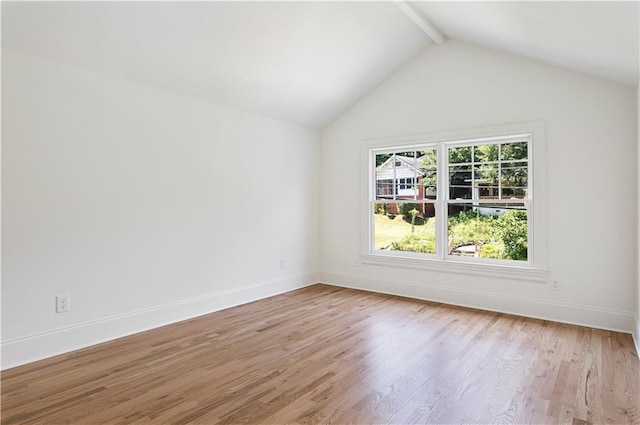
(485, 153)
(460, 155)
(514, 151)
(414, 213)
(428, 167)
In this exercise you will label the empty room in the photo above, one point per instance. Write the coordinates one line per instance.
(320, 212)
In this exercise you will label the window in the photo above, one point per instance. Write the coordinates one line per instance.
(457, 199)
(413, 200)
(488, 199)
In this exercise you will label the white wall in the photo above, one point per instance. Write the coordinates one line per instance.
(591, 180)
(144, 206)
(637, 327)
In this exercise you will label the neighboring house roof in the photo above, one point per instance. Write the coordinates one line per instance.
(410, 168)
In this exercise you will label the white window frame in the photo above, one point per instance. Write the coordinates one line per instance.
(533, 269)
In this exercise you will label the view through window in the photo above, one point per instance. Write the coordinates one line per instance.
(465, 201)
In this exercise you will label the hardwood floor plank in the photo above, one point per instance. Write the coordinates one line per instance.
(327, 355)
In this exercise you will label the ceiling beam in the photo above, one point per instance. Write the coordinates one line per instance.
(421, 21)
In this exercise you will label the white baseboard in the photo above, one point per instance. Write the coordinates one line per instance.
(600, 318)
(19, 351)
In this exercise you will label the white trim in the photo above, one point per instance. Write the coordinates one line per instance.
(465, 134)
(430, 262)
(574, 314)
(30, 348)
(484, 140)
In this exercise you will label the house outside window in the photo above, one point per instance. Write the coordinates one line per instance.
(456, 200)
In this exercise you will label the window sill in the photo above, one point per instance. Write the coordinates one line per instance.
(484, 270)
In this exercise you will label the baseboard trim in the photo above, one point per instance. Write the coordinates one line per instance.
(574, 314)
(31, 348)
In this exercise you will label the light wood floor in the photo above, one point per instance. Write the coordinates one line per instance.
(331, 355)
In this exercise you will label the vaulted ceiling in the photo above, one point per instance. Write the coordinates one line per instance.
(599, 38)
(306, 62)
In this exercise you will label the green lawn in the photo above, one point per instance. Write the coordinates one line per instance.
(389, 230)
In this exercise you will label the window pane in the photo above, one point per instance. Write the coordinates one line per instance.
(385, 175)
(514, 174)
(427, 174)
(460, 182)
(384, 189)
(405, 227)
(485, 182)
(488, 231)
(459, 155)
(514, 192)
(485, 153)
(407, 164)
(429, 158)
(397, 175)
(486, 174)
(381, 158)
(514, 151)
(429, 184)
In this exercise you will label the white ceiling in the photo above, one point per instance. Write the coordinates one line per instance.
(306, 62)
(599, 38)
(302, 62)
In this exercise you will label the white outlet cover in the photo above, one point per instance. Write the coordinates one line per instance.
(62, 303)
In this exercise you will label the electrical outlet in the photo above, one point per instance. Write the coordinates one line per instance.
(62, 304)
(555, 285)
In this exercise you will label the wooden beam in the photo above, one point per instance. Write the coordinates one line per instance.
(421, 21)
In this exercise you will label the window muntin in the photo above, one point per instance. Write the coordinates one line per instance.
(483, 216)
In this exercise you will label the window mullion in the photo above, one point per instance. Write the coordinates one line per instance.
(373, 195)
(500, 171)
(414, 182)
(394, 186)
(442, 179)
(473, 176)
